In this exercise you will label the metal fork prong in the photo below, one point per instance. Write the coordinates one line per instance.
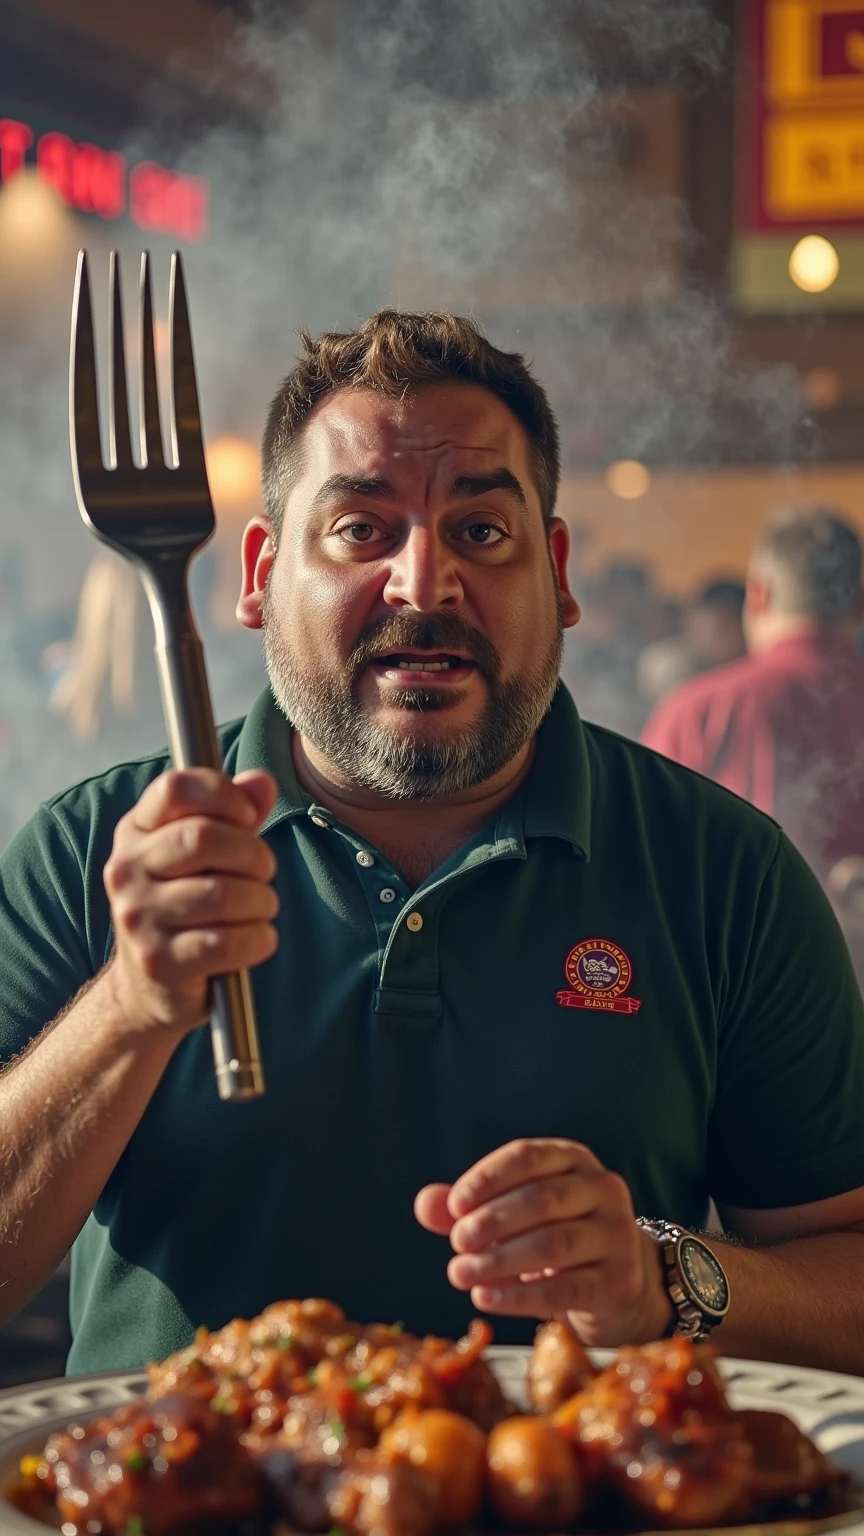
(148, 394)
(119, 440)
(84, 412)
(186, 441)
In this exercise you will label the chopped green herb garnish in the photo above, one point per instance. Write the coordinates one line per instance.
(286, 1341)
(222, 1405)
(135, 1526)
(312, 1376)
(360, 1383)
(337, 1428)
(337, 1530)
(397, 1327)
(135, 1460)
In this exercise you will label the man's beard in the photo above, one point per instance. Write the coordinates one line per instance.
(329, 713)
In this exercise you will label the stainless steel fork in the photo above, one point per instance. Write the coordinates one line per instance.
(158, 516)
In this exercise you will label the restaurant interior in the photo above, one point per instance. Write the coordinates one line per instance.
(661, 206)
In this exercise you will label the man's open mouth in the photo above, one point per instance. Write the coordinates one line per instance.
(425, 664)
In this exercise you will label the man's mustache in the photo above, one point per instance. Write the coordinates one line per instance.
(443, 632)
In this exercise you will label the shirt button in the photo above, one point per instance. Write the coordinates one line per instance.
(319, 821)
(414, 921)
(388, 894)
(364, 859)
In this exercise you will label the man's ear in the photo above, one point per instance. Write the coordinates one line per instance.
(257, 553)
(559, 551)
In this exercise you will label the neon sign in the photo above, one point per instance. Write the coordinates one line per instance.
(99, 181)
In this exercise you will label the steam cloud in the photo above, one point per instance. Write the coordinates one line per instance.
(423, 153)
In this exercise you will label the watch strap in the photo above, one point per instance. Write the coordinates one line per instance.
(689, 1322)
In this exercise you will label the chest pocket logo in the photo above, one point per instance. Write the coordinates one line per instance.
(599, 974)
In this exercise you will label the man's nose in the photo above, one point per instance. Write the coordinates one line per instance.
(423, 574)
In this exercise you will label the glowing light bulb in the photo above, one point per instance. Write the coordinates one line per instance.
(814, 264)
(628, 479)
(232, 469)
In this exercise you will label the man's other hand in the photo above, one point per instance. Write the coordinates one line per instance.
(188, 881)
(541, 1229)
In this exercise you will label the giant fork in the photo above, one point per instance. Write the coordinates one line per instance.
(158, 516)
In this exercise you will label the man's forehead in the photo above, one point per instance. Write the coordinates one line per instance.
(363, 430)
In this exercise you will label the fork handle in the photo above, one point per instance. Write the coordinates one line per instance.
(194, 744)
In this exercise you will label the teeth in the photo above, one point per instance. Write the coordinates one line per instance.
(405, 664)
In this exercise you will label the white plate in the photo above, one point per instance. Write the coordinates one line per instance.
(826, 1405)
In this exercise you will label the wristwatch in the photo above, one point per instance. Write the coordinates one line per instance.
(695, 1279)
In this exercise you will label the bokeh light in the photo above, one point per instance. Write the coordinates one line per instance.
(628, 479)
(233, 471)
(823, 388)
(814, 264)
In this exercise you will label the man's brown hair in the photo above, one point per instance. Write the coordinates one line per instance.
(396, 354)
(811, 556)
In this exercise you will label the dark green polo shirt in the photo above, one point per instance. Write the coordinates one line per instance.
(398, 1051)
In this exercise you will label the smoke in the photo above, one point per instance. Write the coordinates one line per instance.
(479, 155)
(476, 155)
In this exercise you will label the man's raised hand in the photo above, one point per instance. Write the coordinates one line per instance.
(188, 881)
(541, 1229)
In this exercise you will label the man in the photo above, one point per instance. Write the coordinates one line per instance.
(712, 635)
(784, 727)
(511, 968)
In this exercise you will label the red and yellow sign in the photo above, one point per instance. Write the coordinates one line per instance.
(803, 140)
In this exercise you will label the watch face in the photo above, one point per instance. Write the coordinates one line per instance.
(703, 1275)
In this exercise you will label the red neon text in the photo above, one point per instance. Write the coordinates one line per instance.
(15, 140)
(95, 180)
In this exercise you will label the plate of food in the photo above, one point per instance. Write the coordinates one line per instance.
(301, 1421)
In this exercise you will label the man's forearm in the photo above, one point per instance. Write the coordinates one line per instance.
(801, 1302)
(67, 1110)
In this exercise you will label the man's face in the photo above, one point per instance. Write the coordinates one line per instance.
(413, 615)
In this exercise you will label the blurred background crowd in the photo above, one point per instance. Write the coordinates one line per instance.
(660, 203)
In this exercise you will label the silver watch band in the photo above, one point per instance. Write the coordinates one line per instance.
(691, 1322)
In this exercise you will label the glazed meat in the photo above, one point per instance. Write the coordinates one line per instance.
(167, 1464)
(785, 1463)
(303, 1418)
(560, 1366)
(656, 1426)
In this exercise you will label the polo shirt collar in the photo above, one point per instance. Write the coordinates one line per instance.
(558, 788)
(265, 742)
(555, 800)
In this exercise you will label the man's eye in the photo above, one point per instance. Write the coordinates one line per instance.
(484, 533)
(357, 533)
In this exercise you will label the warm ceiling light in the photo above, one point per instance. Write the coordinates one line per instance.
(823, 388)
(33, 221)
(232, 469)
(628, 479)
(814, 264)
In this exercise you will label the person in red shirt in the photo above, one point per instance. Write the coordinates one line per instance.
(784, 726)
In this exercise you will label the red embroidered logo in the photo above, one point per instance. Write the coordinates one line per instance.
(599, 974)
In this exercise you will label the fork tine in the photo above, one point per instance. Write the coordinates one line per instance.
(186, 441)
(148, 397)
(119, 442)
(84, 402)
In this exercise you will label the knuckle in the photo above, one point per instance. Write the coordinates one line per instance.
(616, 1191)
(128, 914)
(215, 895)
(118, 871)
(195, 836)
(150, 957)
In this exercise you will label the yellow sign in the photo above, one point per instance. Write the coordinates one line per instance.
(814, 52)
(814, 166)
